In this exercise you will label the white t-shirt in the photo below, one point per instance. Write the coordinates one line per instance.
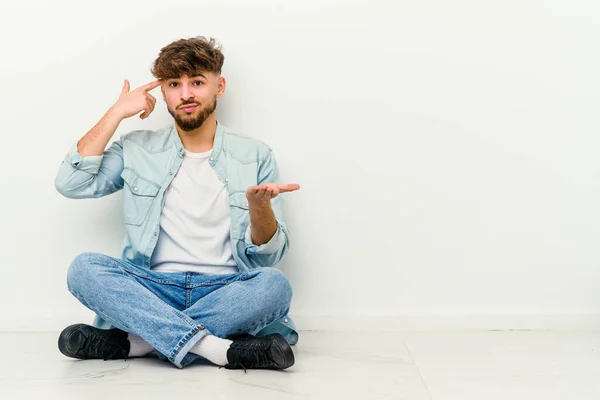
(195, 222)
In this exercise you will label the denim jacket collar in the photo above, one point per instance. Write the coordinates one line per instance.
(217, 142)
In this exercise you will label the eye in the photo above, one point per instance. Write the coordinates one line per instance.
(198, 82)
(172, 83)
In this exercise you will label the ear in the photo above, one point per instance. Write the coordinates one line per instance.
(221, 86)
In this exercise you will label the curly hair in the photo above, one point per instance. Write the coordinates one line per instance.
(188, 57)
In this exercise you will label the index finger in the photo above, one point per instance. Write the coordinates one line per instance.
(149, 86)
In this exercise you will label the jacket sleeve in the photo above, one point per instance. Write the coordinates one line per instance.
(270, 253)
(90, 176)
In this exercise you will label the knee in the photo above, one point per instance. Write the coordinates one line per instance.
(277, 285)
(81, 271)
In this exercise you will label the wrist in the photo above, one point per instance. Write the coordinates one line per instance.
(259, 206)
(114, 112)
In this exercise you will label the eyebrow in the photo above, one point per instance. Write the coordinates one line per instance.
(191, 77)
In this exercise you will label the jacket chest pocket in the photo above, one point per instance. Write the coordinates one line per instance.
(139, 195)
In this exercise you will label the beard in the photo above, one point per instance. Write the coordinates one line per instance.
(190, 122)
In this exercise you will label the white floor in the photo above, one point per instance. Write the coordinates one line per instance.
(329, 365)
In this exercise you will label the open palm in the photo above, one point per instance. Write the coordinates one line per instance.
(262, 194)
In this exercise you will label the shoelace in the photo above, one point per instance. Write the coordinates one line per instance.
(253, 353)
(96, 345)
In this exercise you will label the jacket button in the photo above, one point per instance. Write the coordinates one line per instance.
(135, 189)
(285, 320)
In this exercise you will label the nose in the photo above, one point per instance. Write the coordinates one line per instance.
(186, 94)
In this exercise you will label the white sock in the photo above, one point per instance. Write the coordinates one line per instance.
(213, 348)
(139, 347)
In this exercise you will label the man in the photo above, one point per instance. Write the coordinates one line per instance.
(204, 228)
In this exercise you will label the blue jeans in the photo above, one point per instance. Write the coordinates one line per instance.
(172, 311)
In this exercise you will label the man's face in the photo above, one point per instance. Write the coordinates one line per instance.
(191, 100)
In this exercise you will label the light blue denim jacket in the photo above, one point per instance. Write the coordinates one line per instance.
(143, 163)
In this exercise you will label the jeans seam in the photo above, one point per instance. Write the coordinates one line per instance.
(215, 283)
(145, 277)
(180, 315)
(183, 317)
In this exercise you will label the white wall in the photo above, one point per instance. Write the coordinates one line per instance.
(447, 151)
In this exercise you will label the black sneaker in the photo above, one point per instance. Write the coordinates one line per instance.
(267, 352)
(87, 342)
